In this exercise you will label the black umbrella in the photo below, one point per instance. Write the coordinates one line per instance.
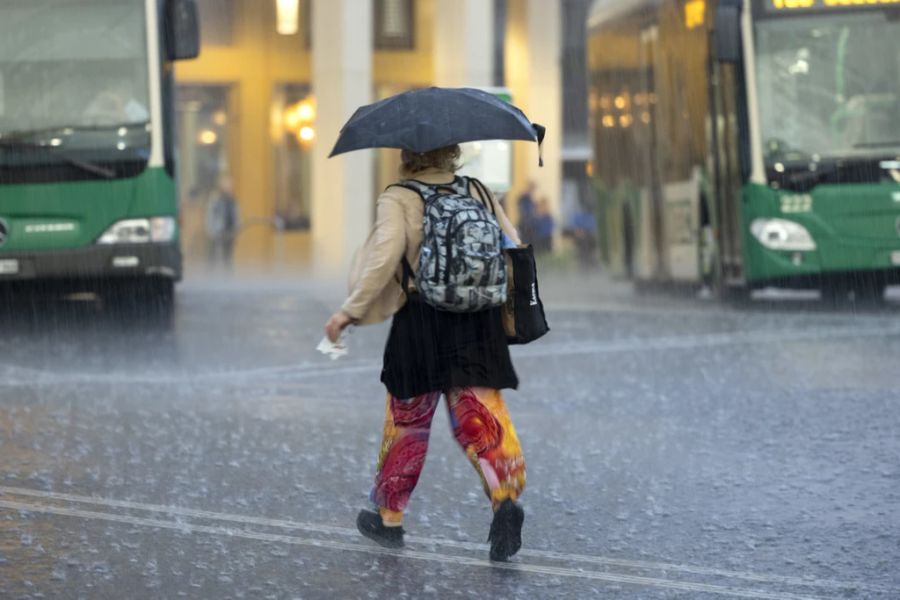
(428, 119)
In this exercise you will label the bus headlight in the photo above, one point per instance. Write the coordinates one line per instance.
(781, 234)
(140, 231)
(162, 229)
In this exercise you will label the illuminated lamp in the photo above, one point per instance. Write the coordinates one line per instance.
(694, 13)
(208, 137)
(306, 111)
(288, 16)
(292, 119)
(307, 134)
(779, 4)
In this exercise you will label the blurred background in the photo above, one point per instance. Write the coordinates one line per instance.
(720, 147)
(251, 108)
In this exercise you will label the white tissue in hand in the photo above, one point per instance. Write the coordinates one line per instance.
(333, 351)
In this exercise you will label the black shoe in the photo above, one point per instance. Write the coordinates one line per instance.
(370, 525)
(506, 530)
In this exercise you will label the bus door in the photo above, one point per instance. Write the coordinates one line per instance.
(651, 260)
(728, 119)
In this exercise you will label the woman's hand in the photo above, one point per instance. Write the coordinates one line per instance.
(336, 324)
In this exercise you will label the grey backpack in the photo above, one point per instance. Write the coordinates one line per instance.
(462, 267)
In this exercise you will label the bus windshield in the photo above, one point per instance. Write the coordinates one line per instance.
(829, 86)
(73, 78)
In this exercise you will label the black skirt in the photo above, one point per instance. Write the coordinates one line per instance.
(429, 350)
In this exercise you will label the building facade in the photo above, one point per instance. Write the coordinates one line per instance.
(276, 79)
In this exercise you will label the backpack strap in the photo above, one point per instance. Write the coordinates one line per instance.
(424, 191)
(429, 192)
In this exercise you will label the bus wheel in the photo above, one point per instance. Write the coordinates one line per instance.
(835, 293)
(159, 297)
(149, 301)
(733, 294)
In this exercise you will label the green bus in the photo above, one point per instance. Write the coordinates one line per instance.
(87, 155)
(740, 144)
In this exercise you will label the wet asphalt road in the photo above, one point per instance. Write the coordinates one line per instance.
(675, 449)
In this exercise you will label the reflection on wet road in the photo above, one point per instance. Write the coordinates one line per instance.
(676, 449)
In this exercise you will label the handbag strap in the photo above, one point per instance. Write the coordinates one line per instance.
(484, 193)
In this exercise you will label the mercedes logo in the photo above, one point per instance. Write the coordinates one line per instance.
(4, 232)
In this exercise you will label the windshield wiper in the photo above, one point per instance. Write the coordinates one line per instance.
(777, 150)
(13, 144)
(800, 178)
(877, 144)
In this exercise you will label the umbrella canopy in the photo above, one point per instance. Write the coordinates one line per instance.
(431, 118)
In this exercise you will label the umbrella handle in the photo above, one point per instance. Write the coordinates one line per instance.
(540, 131)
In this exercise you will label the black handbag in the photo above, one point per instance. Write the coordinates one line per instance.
(523, 313)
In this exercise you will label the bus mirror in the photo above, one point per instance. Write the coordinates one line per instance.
(727, 34)
(182, 29)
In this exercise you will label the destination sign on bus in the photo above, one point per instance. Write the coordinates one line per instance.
(773, 7)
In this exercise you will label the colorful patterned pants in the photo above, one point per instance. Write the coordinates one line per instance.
(480, 424)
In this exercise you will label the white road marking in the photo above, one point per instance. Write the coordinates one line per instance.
(701, 341)
(309, 371)
(408, 554)
(349, 532)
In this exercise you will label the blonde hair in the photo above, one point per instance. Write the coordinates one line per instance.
(444, 159)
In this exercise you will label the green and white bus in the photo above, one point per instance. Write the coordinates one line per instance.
(748, 143)
(87, 166)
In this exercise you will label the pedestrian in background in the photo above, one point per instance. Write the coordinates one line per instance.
(222, 224)
(462, 356)
(527, 209)
(544, 227)
(583, 231)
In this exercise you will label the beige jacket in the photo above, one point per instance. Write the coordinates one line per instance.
(376, 292)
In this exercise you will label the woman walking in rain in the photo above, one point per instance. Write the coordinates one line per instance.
(463, 356)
